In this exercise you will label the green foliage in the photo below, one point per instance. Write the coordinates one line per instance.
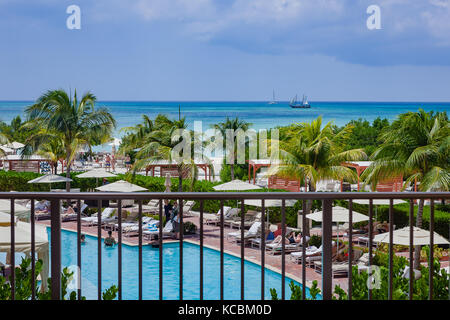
(360, 289)
(365, 135)
(401, 216)
(240, 172)
(315, 240)
(14, 130)
(23, 284)
(111, 293)
(23, 281)
(189, 227)
(296, 292)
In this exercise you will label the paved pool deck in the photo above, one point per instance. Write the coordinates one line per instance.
(212, 240)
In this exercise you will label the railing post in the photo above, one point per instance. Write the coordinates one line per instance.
(327, 249)
(55, 249)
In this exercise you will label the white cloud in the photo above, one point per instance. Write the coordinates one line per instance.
(336, 28)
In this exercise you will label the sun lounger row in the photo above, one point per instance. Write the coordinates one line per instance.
(153, 207)
(167, 232)
(107, 215)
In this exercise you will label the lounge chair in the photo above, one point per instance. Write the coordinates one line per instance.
(312, 254)
(253, 232)
(274, 248)
(248, 220)
(167, 232)
(231, 216)
(152, 206)
(187, 208)
(211, 218)
(130, 229)
(339, 268)
(106, 216)
(65, 217)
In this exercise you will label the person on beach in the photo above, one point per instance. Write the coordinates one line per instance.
(128, 162)
(108, 163)
(110, 241)
(113, 163)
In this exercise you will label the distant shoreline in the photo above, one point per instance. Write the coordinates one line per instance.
(261, 114)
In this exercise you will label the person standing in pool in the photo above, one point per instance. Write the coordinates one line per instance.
(83, 238)
(110, 241)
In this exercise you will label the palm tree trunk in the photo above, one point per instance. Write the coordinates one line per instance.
(232, 171)
(419, 225)
(68, 171)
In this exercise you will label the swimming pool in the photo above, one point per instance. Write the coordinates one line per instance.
(150, 267)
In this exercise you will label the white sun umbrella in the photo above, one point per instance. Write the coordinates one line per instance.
(20, 211)
(120, 186)
(50, 178)
(22, 233)
(5, 219)
(96, 173)
(339, 214)
(421, 237)
(15, 145)
(236, 185)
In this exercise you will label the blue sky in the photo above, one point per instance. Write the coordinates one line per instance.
(227, 49)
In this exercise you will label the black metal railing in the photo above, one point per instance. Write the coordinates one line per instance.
(326, 198)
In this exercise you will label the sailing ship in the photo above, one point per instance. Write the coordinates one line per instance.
(273, 98)
(303, 105)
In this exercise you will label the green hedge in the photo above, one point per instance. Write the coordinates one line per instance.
(401, 215)
(17, 181)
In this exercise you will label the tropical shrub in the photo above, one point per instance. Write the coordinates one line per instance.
(189, 228)
(401, 215)
(296, 292)
(23, 284)
(360, 291)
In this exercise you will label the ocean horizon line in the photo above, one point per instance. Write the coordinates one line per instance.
(255, 101)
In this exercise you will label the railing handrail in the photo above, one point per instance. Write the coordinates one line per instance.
(327, 260)
(223, 195)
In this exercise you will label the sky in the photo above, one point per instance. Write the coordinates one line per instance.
(211, 50)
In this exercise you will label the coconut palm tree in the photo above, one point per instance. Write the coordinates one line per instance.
(135, 136)
(157, 144)
(417, 146)
(312, 152)
(74, 121)
(53, 150)
(231, 124)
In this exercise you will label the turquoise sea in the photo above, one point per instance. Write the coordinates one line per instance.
(260, 113)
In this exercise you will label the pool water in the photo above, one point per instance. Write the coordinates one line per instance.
(150, 267)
